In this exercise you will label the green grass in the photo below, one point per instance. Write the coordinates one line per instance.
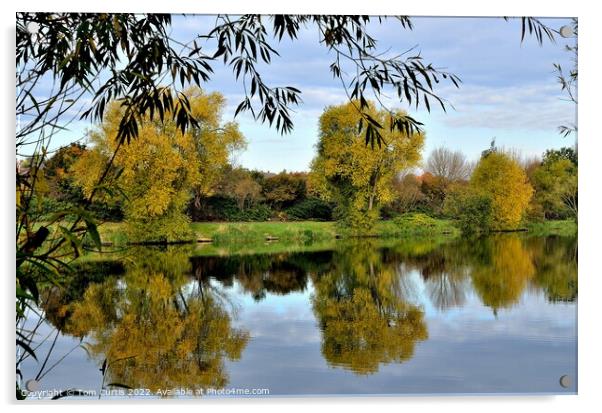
(271, 236)
(241, 238)
(243, 232)
(563, 228)
(416, 225)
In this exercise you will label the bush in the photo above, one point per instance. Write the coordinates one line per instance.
(259, 212)
(310, 208)
(353, 222)
(221, 208)
(473, 211)
(415, 220)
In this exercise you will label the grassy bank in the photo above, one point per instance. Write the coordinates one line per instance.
(563, 228)
(411, 225)
(298, 232)
(244, 232)
(229, 238)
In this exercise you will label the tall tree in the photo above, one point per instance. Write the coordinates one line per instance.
(556, 184)
(359, 178)
(157, 173)
(502, 179)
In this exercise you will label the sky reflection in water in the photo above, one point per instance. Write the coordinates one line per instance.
(496, 315)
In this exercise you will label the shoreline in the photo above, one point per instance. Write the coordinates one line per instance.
(304, 232)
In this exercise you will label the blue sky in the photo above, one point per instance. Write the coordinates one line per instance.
(509, 90)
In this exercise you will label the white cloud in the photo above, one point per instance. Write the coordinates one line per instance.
(531, 107)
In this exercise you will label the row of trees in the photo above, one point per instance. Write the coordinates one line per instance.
(251, 195)
(164, 179)
(499, 192)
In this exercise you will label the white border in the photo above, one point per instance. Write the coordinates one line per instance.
(590, 149)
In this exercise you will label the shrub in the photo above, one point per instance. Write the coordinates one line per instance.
(415, 220)
(354, 222)
(310, 208)
(220, 208)
(259, 212)
(473, 211)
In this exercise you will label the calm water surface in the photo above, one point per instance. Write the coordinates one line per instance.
(495, 315)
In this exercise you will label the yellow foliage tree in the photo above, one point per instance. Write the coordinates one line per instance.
(357, 176)
(161, 170)
(502, 179)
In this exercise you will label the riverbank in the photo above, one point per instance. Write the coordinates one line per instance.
(221, 233)
(562, 228)
(308, 232)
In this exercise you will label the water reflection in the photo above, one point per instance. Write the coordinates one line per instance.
(166, 319)
(259, 275)
(154, 328)
(364, 319)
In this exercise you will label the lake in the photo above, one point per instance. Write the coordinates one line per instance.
(371, 317)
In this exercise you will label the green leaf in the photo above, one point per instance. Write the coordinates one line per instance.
(93, 232)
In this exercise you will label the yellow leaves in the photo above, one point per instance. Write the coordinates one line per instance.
(501, 281)
(355, 174)
(502, 178)
(162, 167)
(362, 314)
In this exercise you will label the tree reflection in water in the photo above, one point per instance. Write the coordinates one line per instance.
(155, 329)
(163, 320)
(556, 262)
(502, 271)
(361, 311)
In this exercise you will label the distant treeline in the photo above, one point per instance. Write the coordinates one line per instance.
(239, 195)
(164, 179)
(250, 195)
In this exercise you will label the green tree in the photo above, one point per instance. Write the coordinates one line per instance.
(568, 153)
(472, 210)
(556, 187)
(358, 178)
(503, 180)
